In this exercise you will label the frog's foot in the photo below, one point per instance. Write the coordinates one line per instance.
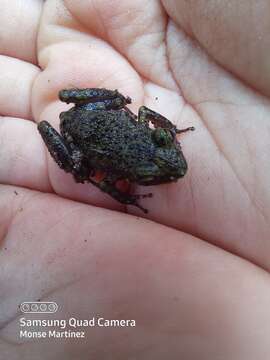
(146, 115)
(143, 196)
(179, 131)
(140, 207)
(95, 98)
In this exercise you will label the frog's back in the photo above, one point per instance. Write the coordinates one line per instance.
(112, 140)
(98, 128)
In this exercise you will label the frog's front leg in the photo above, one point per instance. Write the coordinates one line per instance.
(146, 115)
(67, 158)
(95, 98)
(108, 185)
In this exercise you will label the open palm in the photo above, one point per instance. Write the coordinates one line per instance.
(194, 273)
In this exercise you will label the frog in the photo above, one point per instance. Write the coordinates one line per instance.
(100, 134)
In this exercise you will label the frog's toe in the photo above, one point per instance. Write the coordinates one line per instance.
(140, 207)
(135, 197)
(143, 196)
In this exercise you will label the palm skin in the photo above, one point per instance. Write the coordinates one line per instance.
(194, 273)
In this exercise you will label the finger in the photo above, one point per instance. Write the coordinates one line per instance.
(19, 21)
(135, 29)
(239, 46)
(89, 63)
(22, 156)
(16, 87)
(72, 57)
(190, 287)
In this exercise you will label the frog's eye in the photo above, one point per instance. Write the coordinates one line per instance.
(162, 137)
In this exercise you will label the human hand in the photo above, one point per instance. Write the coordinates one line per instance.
(194, 275)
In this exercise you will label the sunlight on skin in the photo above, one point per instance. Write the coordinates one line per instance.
(187, 273)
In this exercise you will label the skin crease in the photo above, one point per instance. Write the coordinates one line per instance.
(201, 287)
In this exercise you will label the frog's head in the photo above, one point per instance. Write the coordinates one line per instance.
(168, 163)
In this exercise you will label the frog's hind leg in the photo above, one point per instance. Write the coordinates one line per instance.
(95, 98)
(108, 185)
(56, 146)
(146, 115)
(65, 155)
